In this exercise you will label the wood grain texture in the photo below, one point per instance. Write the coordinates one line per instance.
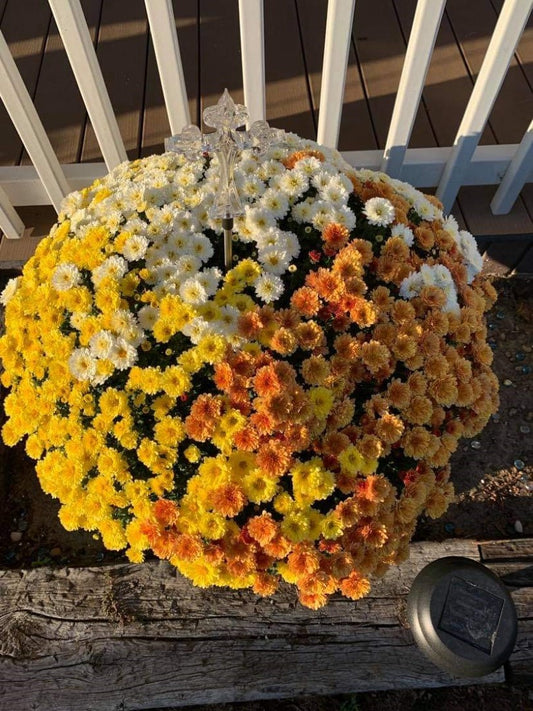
(141, 637)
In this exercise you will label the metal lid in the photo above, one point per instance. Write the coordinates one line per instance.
(462, 616)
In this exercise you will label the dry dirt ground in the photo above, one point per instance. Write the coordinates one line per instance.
(493, 476)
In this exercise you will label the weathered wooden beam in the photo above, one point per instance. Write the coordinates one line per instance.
(139, 636)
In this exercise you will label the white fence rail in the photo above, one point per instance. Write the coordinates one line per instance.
(464, 163)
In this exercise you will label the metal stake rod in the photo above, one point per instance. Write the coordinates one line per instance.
(227, 226)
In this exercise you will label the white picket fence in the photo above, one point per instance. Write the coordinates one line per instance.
(464, 163)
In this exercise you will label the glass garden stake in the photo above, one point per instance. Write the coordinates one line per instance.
(226, 142)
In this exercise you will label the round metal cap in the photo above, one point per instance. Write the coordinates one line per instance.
(462, 616)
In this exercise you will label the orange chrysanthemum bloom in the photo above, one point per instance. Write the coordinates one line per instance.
(290, 161)
(382, 299)
(206, 407)
(444, 390)
(374, 355)
(429, 344)
(327, 284)
(249, 325)
(199, 429)
(399, 394)
(312, 600)
(283, 341)
(315, 370)
(187, 547)
(246, 439)
(266, 382)
(419, 410)
(305, 301)
(354, 586)
(433, 296)
(263, 422)
(166, 512)
(310, 335)
(273, 458)
(347, 346)
(404, 347)
(389, 428)
(304, 560)
(334, 443)
(417, 383)
(363, 313)
(265, 584)
(370, 446)
(279, 547)
(396, 248)
(436, 366)
(223, 376)
(335, 236)
(262, 528)
(424, 237)
(288, 318)
(228, 499)
(416, 442)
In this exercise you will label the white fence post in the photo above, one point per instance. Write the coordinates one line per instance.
(29, 127)
(507, 32)
(253, 57)
(10, 223)
(167, 53)
(74, 32)
(336, 50)
(518, 172)
(424, 31)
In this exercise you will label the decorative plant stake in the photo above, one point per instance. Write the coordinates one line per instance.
(227, 142)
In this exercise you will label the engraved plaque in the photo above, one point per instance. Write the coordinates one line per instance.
(471, 614)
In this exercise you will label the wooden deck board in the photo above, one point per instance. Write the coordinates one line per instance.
(27, 41)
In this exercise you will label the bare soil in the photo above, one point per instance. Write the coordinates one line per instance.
(493, 476)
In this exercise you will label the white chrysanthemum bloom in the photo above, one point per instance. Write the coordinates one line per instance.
(123, 355)
(101, 344)
(186, 222)
(425, 208)
(344, 216)
(274, 260)
(309, 165)
(321, 214)
(148, 316)
(268, 287)
(112, 220)
(469, 249)
(81, 364)
(451, 226)
(335, 192)
(135, 247)
(410, 286)
(209, 279)
(275, 202)
(259, 219)
(188, 264)
(250, 186)
(270, 169)
(114, 267)
(271, 238)
(301, 212)
(379, 211)
(178, 244)
(196, 329)
(9, 291)
(427, 275)
(65, 276)
(451, 305)
(442, 275)
(403, 231)
(227, 320)
(135, 225)
(247, 165)
(293, 183)
(201, 246)
(192, 292)
(292, 246)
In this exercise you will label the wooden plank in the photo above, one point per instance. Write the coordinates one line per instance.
(515, 549)
(524, 51)
(356, 132)
(473, 23)
(14, 253)
(57, 87)
(475, 205)
(525, 265)
(155, 123)
(520, 665)
(121, 51)
(26, 41)
(381, 48)
(502, 256)
(139, 636)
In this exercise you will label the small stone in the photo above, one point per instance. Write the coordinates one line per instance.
(512, 411)
(475, 444)
(500, 315)
(23, 524)
(16, 536)
(507, 382)
(526, 369)
(529, 416)
(518, 526)
(55, 552)
(519, 356)
(503, 337)
(525, 429)
(526, 349)
(519, 464)
(491, 326)
(449, 527)
(496, 417)
(100, 557)
(508, 354)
